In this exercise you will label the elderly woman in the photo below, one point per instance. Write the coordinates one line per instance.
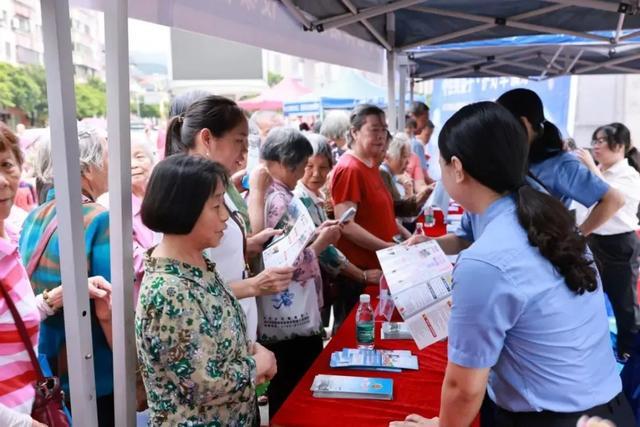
(198, 365)
(393, 172)
(335, 128)
(309, 191)
(46, 277)
(216, 128)
(295, 344)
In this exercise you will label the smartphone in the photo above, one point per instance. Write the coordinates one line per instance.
(348, 215)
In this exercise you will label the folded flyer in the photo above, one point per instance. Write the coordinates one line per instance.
(395, 331)
(376, 360)
(420, 281)
(344, 387)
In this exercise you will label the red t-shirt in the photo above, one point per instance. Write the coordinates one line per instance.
(353, 181)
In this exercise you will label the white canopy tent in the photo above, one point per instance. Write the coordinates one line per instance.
(232, 20)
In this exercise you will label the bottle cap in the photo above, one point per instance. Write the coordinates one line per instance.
(365, 298)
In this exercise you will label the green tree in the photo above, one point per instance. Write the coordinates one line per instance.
(41, 107)
(273, 78)
(91, 99)
(6, 85)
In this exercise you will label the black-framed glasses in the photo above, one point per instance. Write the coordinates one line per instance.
(599, 141)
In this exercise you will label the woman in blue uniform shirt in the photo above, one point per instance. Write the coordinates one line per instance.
(528, 321)
(551, 169)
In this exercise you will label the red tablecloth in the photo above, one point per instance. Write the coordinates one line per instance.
(414, 391)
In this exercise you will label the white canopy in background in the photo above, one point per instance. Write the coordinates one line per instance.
(261, 23)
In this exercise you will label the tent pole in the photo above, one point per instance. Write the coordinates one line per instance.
(120, 220)
(391, 74)
(403, 65)
(412, 88)
(66, 170)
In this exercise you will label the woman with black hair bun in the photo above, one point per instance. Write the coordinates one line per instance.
(528, 321)
(615, 245)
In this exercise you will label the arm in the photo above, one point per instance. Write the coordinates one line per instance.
(259, 182)
(612, 201)
(358, 235)
(462, 394)
(452, 244)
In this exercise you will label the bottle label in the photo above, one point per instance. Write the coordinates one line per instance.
(365, 332)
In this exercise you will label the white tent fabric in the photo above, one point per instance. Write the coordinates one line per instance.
(261, 23)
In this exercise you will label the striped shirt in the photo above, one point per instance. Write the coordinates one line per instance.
(47, 276)
(17, 375)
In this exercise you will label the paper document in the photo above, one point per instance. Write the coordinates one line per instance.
(298, 229)
(419, 279)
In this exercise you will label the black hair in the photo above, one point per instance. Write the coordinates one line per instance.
(410, 123)
(418, 108)
(304, 127)
(177, 192)
(492, 147)
(618, 135)
(216, 113)
(286, 146)
(547, 139)
(358, 118)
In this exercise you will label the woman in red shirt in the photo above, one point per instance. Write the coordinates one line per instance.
(357, 183)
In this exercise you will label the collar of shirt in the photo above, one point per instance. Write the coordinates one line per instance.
(317, 200)
(617, 169)
(177, 268)
(280, 186)
(495, 209)
(8, 244)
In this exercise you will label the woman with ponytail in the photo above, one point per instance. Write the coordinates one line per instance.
(558, 172)
(215, 127)
(615, 245)
(528, 322)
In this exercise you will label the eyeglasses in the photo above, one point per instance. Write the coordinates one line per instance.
(598, 141)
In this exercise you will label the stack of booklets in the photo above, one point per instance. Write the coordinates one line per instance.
(395, 331)
(343, 387)
(374, 360)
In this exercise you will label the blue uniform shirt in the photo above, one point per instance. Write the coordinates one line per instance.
(418, 148)
(548, 348)
(567, 179)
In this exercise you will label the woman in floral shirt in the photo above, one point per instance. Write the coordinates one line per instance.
(198, 367)
(289, 322)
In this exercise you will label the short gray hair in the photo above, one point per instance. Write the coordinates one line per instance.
(147, 147)
(91, 153)
(320, 146)
(399, 142)
(335, 125)
(286, 146)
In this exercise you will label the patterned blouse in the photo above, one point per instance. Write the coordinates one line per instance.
(193, 349)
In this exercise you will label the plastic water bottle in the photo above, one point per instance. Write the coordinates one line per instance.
(429, 218)
(419, 229)
(365, 324)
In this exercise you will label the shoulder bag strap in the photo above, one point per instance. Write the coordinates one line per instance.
(23, 332)
(42, 245)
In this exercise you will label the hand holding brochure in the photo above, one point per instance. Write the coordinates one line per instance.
(376, 360)
(420, 282)
(298, 228)
(343, 387)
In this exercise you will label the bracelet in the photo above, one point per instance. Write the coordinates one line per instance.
(364, 276)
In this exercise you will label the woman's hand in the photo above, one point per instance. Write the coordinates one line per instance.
(424, 194)
(416, 239)
(586, 421)
(329, 233)
(415, 420)
(100, 292)
(586, 158)
(266, 364)
(260, 180)
(272, 280)
(407, 182)
(255, 243)
(35, 423)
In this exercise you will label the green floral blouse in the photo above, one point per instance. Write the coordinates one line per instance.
(192, 348)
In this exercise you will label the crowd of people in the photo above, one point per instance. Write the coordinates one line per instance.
(528, 336)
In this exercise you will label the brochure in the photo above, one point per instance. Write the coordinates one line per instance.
(298, 228)
(376, 360)
(420, 282)
(395, 331)
(344, 387)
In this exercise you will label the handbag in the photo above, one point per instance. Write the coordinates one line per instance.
(48, 404)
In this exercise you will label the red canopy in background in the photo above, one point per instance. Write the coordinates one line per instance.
(272, 98)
